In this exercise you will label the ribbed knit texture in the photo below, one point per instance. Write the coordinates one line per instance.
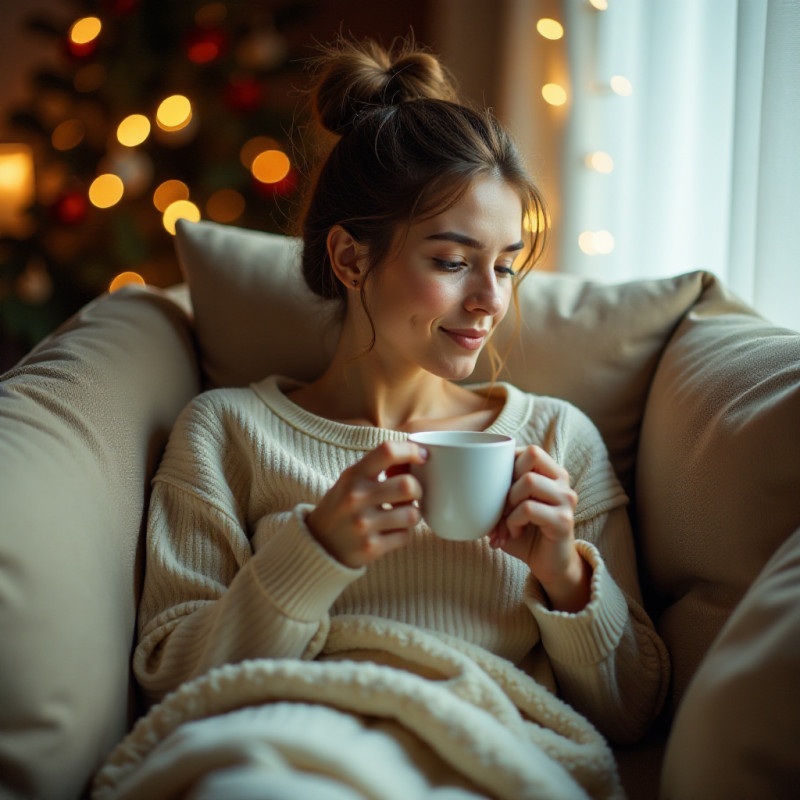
(234, 573)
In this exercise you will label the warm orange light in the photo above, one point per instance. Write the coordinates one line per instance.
(226, 205)
(126, 279)
(550, 28)
(16, 186)
(271, 166)
(133, 130)
(85, 30)
(106, 190)
(554, 94)
(168, 192)
(68, 134)
(174, 113)
(252, 147)
(180, 209)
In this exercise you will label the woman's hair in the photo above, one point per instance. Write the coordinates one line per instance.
(406, 150)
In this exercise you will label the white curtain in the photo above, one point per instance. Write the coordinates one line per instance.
(703, 143)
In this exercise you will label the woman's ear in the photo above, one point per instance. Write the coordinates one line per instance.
(347, 257)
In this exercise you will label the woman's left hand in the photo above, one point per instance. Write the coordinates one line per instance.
(538, 528)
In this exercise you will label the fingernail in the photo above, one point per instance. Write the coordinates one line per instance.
(423, 453)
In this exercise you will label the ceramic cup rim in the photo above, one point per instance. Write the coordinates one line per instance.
(460, 439)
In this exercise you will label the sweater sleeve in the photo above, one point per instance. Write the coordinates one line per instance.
(208, 597)
(609, 662)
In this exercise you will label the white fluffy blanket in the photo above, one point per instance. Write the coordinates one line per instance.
(445, 720)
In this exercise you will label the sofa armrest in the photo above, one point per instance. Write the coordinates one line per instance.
(83, 420)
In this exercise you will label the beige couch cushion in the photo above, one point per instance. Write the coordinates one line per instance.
(718, 483)
(596, 345)
(737, 732)
(82, 423)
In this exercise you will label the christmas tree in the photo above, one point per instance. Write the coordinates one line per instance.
(159, 110)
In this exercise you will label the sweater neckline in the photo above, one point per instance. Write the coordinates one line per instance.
(272, 392)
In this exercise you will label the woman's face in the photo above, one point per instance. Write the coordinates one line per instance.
(435, 302)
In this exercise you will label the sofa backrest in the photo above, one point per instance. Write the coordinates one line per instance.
(83, 420)
(696, 396)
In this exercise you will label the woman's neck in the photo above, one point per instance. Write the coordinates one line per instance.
(356, 393)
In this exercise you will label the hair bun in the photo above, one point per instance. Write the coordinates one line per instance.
(354, 76)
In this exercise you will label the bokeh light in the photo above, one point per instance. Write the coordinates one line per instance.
(174, 113)
(133, 130)
(68, 134)
(550, 28)
(271, 166)
(600, 162)
(106, 190)
(126, 279)
(85, 30)
(554, 94)
(180, 209)
(169, 192)
(225, 205)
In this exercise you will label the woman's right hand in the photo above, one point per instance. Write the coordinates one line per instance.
(362, 517)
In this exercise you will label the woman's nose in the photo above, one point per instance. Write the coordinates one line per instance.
(485, 295)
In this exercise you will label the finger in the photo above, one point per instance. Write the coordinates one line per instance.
(378, 520)
(535, 459)
(381, 543)
(387, 455)
(401, 489)
(555, 519)
(535, 486)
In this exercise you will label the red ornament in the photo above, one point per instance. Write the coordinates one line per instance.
(243, 94)
(280, 188)
(204, 45)
(71, 208)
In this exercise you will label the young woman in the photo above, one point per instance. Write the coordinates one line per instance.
(283, 518)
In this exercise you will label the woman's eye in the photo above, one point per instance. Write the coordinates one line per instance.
(449, 266)
(505, 271)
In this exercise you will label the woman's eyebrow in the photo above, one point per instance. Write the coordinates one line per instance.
(460, 238)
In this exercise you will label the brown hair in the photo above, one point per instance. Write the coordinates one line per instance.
(406, 150)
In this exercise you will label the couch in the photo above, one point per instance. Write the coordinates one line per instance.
(696, 395)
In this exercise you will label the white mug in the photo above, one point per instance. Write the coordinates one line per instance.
(465, 481)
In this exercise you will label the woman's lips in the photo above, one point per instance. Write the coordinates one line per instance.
(467, 338)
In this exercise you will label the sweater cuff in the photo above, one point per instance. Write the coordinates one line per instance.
(592, 634)
(301, 578)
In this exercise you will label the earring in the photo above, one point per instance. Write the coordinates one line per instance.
(355, 283)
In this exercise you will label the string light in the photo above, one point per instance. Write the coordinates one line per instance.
(126, 279)
(85, 30)
(252, 147)
(133, 130)
(621, 86)
(106, 190)
(180, 209)
(68, 134)
(600, 5)
(550, 28)
(600, 162)
(174, 113)
(595, 243)
(271, 166)
(225, 205)
(554, 94)
(168, 192)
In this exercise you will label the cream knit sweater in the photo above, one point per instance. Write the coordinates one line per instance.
(233, 572)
